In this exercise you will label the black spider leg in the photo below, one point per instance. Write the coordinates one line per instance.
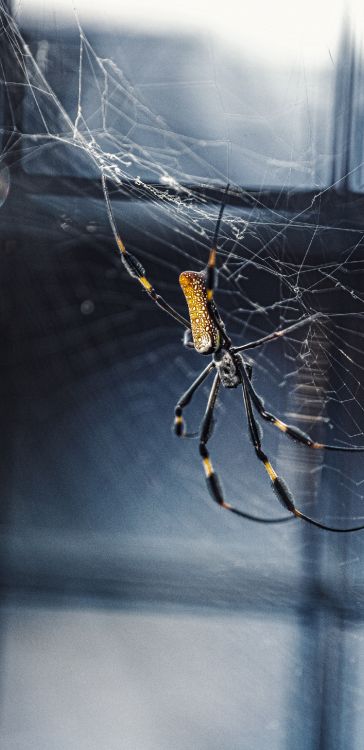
(255, 436)
(135, 268)
(292, 432)
(278, 484)
(179, 423)
(278, 334)
(211, 276)
(212, 479)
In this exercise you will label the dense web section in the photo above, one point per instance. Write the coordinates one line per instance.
(283, 257)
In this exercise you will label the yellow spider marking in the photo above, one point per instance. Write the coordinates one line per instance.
(121, 245)
(146, 284)
(209, 295)
(280, 425)
(317, 445)
(178, 420)
(270, 471)
(212, 258)
(208, 467)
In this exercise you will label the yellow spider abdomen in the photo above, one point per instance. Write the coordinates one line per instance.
(205, 334)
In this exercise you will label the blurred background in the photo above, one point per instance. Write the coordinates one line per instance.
(134, 612)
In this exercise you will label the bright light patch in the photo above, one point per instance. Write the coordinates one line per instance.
(279, 31)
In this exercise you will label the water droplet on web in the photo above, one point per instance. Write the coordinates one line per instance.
(66, 223)
(87, 307)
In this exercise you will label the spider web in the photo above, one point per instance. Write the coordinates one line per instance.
(288, 250)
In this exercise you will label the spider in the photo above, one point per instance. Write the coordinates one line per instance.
(206, 333)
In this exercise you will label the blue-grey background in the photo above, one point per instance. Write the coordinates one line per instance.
(136, 614)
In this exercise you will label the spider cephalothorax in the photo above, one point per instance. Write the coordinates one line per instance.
(226, 366)
(209, 337)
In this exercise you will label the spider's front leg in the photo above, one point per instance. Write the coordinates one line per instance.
(211, 277)
(135, 268)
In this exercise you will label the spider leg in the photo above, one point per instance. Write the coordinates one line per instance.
(292, 432)
(212, 273)
(179, 423)
(249, 370)
(135, 268)
(278, 334)
(278, 484)
(212, 479)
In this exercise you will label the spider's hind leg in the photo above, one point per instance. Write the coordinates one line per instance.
(292, 432)
(249, 370)
(179, 423)
(212, 479)
(279, 486)
(205, 433)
